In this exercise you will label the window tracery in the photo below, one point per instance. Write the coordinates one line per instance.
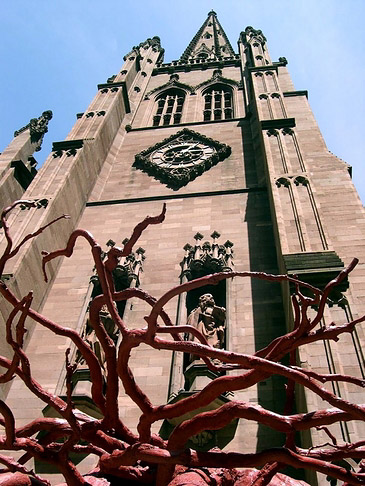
(169, 107)
(218, 103)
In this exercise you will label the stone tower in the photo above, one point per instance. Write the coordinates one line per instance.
(234, 150)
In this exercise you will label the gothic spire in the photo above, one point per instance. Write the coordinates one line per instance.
(209, 43)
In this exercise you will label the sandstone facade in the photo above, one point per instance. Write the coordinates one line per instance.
(285, 202)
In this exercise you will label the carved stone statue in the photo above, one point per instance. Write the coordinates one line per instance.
(209, 319)
(90, 337)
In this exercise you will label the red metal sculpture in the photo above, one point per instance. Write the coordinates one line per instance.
(144, 457)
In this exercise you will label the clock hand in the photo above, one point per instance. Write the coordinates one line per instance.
(189, 148)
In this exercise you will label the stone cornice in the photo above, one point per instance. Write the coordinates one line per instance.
(106, 87)
(269, 67)
(67, 145)
(166, 197)
(288, 94)
(278, 123)
(316, 268)
(202, 122)
(181, 66)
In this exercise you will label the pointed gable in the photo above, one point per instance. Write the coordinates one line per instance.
(209, 43)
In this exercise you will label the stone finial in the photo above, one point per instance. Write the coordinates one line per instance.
(37, 128)
(198, 236)
(215, 235)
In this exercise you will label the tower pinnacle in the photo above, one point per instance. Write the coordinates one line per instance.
(210, 43)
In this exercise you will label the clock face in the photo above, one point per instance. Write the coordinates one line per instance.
(182, 154)
(181, 158)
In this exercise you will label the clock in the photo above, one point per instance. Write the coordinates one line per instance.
(181, 158)
(182, 154)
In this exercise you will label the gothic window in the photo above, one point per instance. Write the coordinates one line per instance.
(169, 107)
(218, 103)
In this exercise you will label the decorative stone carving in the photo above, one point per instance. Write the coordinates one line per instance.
(207, 258)
(111, 79)
(217, 78)
(153, 42)
(37, 128)
(255, 34)
(282, 181)
(300, 180)
(172, 83)
(283, 60)
(39, 203)
(209, 319)
(287, 131)
(106, 90)
(181, 158)
(90, 114)
(272, 132)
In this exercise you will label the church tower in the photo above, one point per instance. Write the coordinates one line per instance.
(233, 149)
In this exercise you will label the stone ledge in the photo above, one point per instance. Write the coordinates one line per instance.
(115, 86)
(176, 196)
(288, 94)
(316, 268)
(67, 145)
(278, 123)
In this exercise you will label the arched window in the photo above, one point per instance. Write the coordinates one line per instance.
(218, 103)
(169, 107)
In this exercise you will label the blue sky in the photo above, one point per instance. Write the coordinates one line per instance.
(55, 52)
